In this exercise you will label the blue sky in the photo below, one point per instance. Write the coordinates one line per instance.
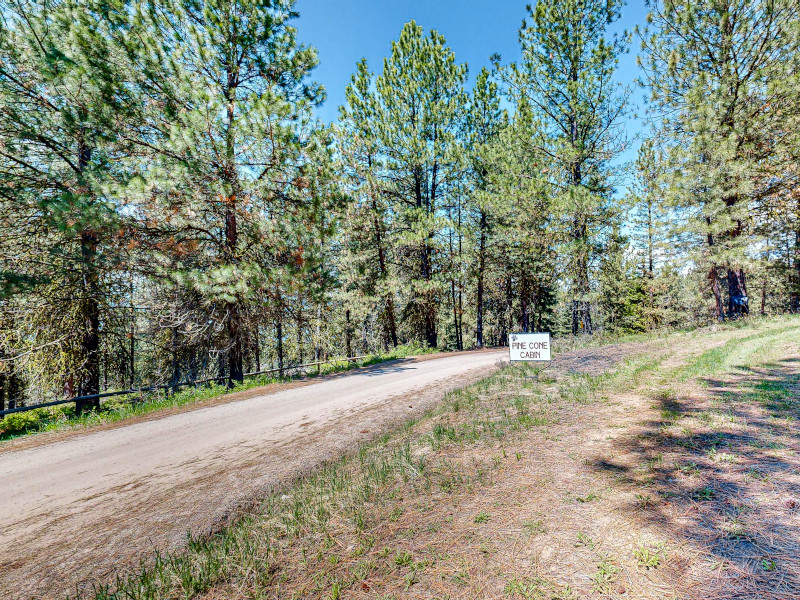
(344, 31)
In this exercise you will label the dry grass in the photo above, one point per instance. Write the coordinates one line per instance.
(675, 475)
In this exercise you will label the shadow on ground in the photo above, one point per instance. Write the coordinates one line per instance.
(719, 474)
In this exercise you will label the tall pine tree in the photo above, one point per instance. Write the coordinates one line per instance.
(566, 76)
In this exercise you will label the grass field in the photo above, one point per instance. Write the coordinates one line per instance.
(672, 473)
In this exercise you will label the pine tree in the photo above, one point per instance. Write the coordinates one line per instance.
(233, 198)
(485, 122)
(622, 286)
(565, 74)
(416, 115)
(649, 223)
(522, 234)
(422, 99)
(61, 104)
(710, 68)
(369, 241)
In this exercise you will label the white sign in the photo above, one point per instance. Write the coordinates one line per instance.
(529, 346)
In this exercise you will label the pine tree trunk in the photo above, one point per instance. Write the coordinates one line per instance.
(300, 335)
(428, 305)
(524, 318)
(453, 299)
(88, 308)
(460, 317)
(795, 297)
(426, 302)
(347, 334)
(234, 325)
(508, 322)
(455, 310)
(132, 349)
(581, 309)
(279, 333)
(235, 358)
(738, 302)
(175, 378)
(481, 271)
(89, 375)
(317, 349)
(392, 325)
(713, 278)
(3, 380)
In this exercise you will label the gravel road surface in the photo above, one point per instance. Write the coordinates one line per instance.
(75, 509)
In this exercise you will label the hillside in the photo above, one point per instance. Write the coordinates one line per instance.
(659, 468)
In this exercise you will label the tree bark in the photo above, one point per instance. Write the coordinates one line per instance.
(235, 358)
(738, 302)
(390, 318)
(795, 297)
(427, 305)
(257, 348)
(347, 334)
(279, 333)
(132, 349)
(89, 374)
(300, 355)
(234, 325)
(481, 271)
(175, 378)
(714, 282)
(89, 309)
(508, 321)
(317, 349)
(524, 317)
(3, 380)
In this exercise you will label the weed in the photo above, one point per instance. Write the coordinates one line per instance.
(724, 457)
(605, 576)
(734, 530)
(690, 469)
(590, 497)
(655, 462)
(648, 557)
(755, 473)
(535, 527)
(585, 540)
(537, 588)
(403, 558)
(705, 493)
(482, 517)
(645, 501)
(461, 577)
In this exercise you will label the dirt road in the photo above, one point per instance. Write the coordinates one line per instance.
(75, 509)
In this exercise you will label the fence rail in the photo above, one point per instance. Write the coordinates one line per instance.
(170, 386)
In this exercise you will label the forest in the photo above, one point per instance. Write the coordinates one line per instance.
(173, 209)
